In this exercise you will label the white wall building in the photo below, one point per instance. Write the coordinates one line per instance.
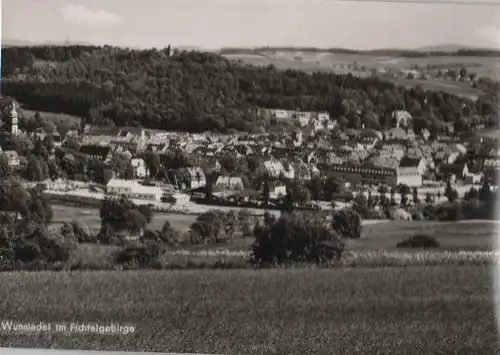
(139, 166)
(133, 190)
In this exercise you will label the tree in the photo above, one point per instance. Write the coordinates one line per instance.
(382, 191)
(347, 223)
(403, 191)
(315, 187)
(119, 216)
(125, 96)
(416, 200)
(209, 190)
(5, 170)
(122, 166)
(450, 193)
(167, 235)
(69, 165)
(143, 255)
(48, 142)
(296, 194)
(331, 187)
(245, 222)
(37, 169)
(360, 205)
(463, 73)
(296, 237)
(39, 207)
(485, 191)
(369, 201)
(265, 190)
(153, 164)
(393, 198)
(211, 227)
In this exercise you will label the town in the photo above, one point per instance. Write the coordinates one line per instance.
(248, 177)
(308, 155)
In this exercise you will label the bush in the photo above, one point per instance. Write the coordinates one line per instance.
(167, 236)
(296, 238)
(7, 252)
(44, 246)
(347, 223)
(419, 241)
(214, 227)
(144, 255)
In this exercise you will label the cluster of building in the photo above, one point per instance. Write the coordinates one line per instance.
(316, 147)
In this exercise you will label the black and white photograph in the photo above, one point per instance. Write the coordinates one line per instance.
(243, 177)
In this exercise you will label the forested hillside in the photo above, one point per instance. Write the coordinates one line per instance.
(195, 91)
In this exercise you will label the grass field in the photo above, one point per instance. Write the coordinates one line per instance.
(90, 218)
(432, 310)
(61, 121)
(317, 61)
(339, 63)
(455, 88)
(385, 235)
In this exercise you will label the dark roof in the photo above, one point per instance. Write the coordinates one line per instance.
(136, 131)
(94, 150)
(408, 162)
(456, 168)
(364, 170)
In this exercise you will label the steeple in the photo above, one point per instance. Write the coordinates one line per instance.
(14, 120)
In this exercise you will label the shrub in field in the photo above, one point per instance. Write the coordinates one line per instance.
(347, 223)
(296, 237)
(214, 227)
(44, 246)
(122, 216)
(76, 230)
(168, 235)
(7, 252)
(245, 222)
(419, 241)
(140, 254)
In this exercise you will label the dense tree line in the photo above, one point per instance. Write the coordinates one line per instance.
(194, 91)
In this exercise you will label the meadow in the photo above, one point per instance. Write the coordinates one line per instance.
(342, 63)
(465, 242)
(318, 61)
(464, 235)
(62, 121)
(424, 310)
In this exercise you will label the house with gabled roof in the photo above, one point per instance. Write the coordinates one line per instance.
(101, 153)
(454, 172)
(410, 171)
(395, 134)
(364, 174)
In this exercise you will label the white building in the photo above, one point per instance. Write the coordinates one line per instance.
(229, 182)
(139, 166)
(410, 172)
(12, 158)
(133, 190)
(280, 114)
(275, 168)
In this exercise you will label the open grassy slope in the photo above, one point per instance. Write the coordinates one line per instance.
(62, 121)
(340, 62)
(384, 235)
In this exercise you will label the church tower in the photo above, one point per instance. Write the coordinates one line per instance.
(14, 130)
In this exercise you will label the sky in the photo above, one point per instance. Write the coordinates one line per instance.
(212, 24)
